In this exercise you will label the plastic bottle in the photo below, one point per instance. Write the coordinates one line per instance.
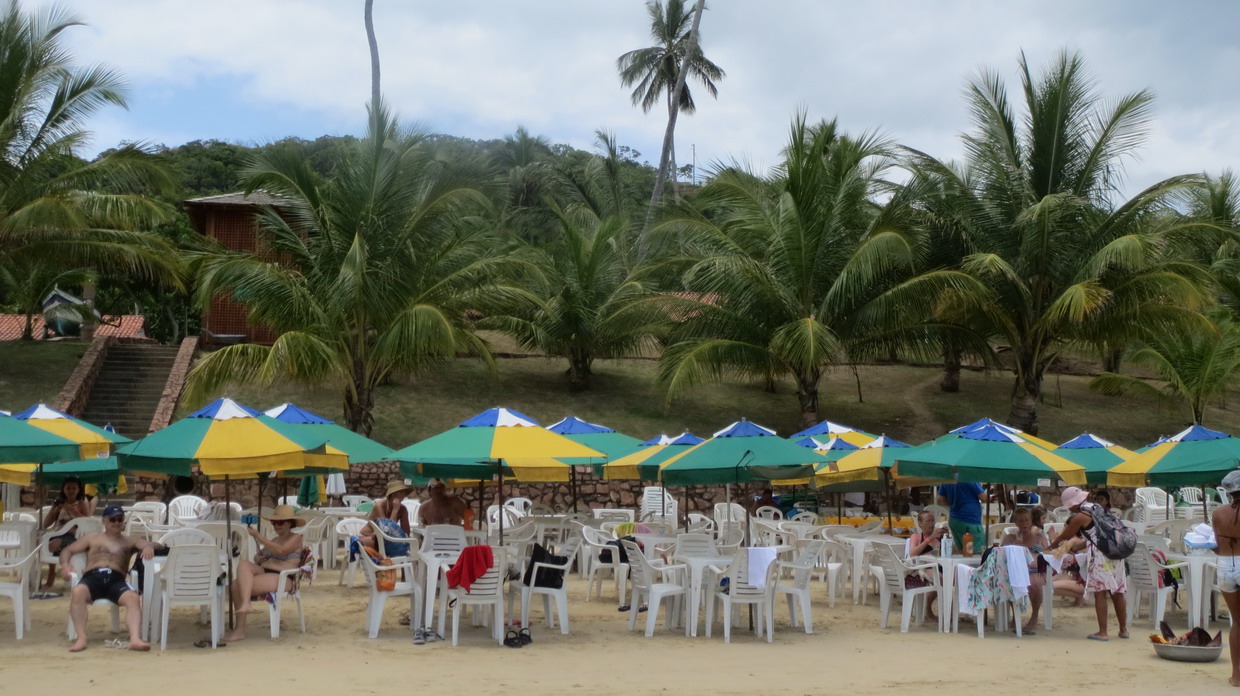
(945, 546)
(966, 544)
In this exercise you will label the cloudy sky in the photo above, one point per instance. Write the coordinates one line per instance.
(252, 71)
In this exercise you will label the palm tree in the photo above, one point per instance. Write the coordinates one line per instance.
(1065, 257)
(594, 307)
(662, 70)
(56, 209)
(381, 267)
(1195, 367)
(802, 271)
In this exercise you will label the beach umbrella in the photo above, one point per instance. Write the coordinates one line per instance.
(831, 449)
(1095, 454)
(24, 445)
(596, 437)
(92, 440)
(1196, 456)
(739, 453)
(828, 430)
(987, 454)
(358, 448)
(494, 444)
(643, 463)
(987, 422)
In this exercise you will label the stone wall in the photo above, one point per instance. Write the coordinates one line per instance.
(176, 383)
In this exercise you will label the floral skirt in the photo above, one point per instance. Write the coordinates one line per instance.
(1104, 574)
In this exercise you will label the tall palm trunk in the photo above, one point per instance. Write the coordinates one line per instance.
(579, 372)
(807, 395)
(665, 157)
(1026, 394)
(359, 400)
(374, 50)
(951, 368)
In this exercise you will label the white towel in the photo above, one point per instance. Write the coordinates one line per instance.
(964, 576)
(1055, 562)
(1018, 569)
(760, 558)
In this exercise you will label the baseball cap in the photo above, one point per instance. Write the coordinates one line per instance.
(113, 510)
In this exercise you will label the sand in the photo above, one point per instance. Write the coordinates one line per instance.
(848, 653)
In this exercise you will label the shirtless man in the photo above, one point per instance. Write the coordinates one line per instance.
(107, 566)
(441, 508)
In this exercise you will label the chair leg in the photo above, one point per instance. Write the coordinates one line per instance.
(652, 613)
(884, 607)
(727, 619)
(906, 612)
(163, 627)
(456, 622)
(806, 613)
(546, 610)
(561, 610)
(1158, 605)
(792, 615)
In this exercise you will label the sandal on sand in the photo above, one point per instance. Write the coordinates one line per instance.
(524, 635)
(1095, 636)
(118, 643)
(513, 639)
(206, 643)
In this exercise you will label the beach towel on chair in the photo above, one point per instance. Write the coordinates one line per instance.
(474, 562)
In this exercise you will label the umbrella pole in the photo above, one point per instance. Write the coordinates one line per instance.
(38, 477)
(499, 466)
(685, 516)
(890, 502)
(572, 485)
(228, 547)
(481, 502)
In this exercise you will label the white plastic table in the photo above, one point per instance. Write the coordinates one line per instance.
(1199, 566)
(697, 564)
(858, 543)
(947, 582)
(150, 599)
(435, 564)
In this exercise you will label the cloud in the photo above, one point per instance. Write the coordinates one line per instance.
(244, 71)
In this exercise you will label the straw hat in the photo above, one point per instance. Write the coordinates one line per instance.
(397, 486)
(284, 512)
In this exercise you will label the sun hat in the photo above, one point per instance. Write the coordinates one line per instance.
(1231, 482)
(283, 513)
(1073, 496)
(396, 486)
(113, 510)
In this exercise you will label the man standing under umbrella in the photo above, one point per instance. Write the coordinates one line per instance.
(965, 515)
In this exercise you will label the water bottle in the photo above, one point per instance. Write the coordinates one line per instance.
(945, 545)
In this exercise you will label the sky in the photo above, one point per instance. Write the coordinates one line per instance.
(255, 71)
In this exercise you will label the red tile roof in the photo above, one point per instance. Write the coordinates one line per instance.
(122, 326)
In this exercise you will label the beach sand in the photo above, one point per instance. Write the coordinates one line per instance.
(848, 653)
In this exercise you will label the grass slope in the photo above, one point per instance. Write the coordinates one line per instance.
(34, 372)
(901, 401)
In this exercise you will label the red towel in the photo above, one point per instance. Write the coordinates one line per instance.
(474, 562)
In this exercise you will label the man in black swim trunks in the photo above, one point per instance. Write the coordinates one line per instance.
(108, 554)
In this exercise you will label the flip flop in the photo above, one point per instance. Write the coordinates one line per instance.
(1124, 637)
(524, 635)
(1095, 636)
(513, 639)
(206, 643)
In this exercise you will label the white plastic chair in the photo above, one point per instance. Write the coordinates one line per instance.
(16, 538)
(346, 528)
(654, 584)
(614, 514)
(656, 503)
(407, 585)
(838, 562)
(413, 506)
(519, 506)
(1191, 495)
(798, 590)
(1143, 579)
(151, 510)
(314, 535)
(352, 501)
(700, 523)
(188, 535)
(18, 589)
(1157, 503)
(307, 569)
(190, 578)
(487, 590)
(805, 517)
(595, 543)
(728, 512)
(82, 526)
(729, 540)
(559, 594)
(894, 573)
(186, 509)
(768, 512)
(739, 589)
(940, 512)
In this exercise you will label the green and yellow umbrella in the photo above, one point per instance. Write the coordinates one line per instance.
(987, 454)
(1097, 455)
(984, 422)
(596, 437)
(831, 450)
(1196, 456)
(23, 447)
(828, 429)
(226, 439)
(496, 443)
(92, 440)
(867, 468)
(739, 453)
(643, 464)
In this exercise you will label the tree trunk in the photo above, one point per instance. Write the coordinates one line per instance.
(807, 394)
(1026, 394)
(1112, 359)
(579, 372)
(951, 368)
(660, 181)
(374, 51)
(359, 401)
(28, 329)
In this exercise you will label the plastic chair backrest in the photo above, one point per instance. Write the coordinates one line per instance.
(1141, 569)
(1191, 495)
(185, 507)
(157, 509)
(188, 535)
(729, 512)
(191, 571)
(491, 584)
(640, 573)
(1053, 529)
(695, 545)
(615, 514)
(805, 517)
(350, 526)
(767, 512)
(352, 501)
(365, 507)
(520, 506)
(443, 538)
(940, 512)
(739, 584)
(894, 569)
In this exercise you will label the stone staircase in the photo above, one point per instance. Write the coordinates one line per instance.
(127, 391)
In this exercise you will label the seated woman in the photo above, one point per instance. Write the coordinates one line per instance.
(1069, 583)
(257, 578)
(69, 505)
(1035, 540)
(392, 517)
(926, 541)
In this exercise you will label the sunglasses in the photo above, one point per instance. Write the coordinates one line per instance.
(118, 519)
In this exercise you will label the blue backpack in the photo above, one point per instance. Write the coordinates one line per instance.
(1113, 539)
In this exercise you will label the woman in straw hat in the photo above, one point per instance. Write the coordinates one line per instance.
(257, 578)
(392, 517)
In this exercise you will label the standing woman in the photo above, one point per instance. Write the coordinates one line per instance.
(1226, 521)
(69, 505)
(262, 575)
(1105, 576)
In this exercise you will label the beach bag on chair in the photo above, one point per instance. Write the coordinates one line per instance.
(1113, 539)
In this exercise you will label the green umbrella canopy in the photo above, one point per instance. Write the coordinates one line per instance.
(987, 454)
(98, 470)
(643, 463)
(1196, 456)
(225, 439)
(1095, 454)
(739, 453)
(596, 437)
(496, 442)
(22, 443)
(360, 449)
